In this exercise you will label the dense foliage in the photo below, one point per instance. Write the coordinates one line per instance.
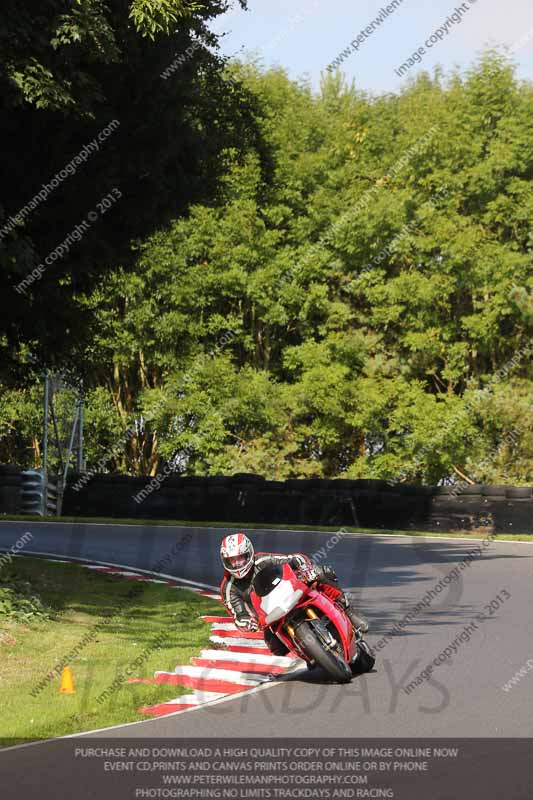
(19, 601)
(86, 112)
(354, 300)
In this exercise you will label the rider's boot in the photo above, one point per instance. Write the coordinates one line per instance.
(358, 622)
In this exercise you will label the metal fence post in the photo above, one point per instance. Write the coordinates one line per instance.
(79, 460)
(45, 440)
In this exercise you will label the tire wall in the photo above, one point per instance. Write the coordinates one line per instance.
(360, 503)
(10, 489)
(252, 499)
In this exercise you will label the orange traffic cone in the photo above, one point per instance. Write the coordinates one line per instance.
(67, 683)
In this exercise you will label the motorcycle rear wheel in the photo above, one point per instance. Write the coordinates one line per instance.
(311, 645)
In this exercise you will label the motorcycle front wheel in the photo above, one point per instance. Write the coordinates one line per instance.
(314, 649)
(365, 659)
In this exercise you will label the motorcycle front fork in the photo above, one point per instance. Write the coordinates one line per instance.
(328, 639)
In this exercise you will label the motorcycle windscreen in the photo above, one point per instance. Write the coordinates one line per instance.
(278, 596)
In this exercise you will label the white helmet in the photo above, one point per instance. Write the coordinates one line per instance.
(237, 554)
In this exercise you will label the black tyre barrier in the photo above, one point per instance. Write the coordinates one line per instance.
(518, 492)
(10, 489)
(494, 491)
(246, 498)
(371, 484)
(247, 477)
(472, 489)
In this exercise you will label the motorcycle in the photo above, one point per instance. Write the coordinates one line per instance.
(310, 624)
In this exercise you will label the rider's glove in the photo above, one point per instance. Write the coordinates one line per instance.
(329, 573)
(249, 624)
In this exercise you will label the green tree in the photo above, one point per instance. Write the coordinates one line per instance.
(353, 299)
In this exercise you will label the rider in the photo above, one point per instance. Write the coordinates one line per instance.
(241, 564)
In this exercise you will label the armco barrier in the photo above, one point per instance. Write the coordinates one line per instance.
(34, 489)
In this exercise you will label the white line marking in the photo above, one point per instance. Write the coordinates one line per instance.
(230, 640)
(123, 566)
(474, 537)
(123, 572)
(202, 697)
(214, 674)
(224, 626)
(208, 594)
(194, 699)
(248, 658)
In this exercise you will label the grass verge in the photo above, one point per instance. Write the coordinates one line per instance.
(122, 621)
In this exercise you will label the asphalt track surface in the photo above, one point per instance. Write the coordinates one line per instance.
(387, 576)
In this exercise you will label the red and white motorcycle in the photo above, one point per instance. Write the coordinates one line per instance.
(309, 623)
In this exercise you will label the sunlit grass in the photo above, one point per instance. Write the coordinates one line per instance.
(82, 598)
